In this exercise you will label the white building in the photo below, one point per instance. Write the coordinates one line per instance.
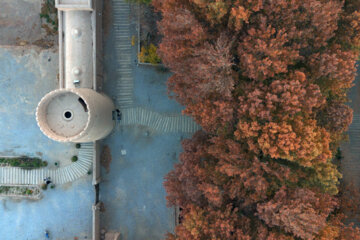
(77, 112)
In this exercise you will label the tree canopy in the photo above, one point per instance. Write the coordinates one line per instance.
(267, 81)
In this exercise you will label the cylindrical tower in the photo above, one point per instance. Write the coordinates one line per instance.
(77, 112)
(75, 115)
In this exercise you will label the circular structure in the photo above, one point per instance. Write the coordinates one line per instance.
(75, 115)
(68, 115)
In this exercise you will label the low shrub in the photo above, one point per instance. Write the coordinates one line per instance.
(44, 186)
(24, 162)
(148, 54)
(74, 158)
(28, 192)
(4, 189)
(78, 145)
(49, 13)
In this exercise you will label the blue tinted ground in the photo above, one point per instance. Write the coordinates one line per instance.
(133, 191)
(25, 77)
(351, 148)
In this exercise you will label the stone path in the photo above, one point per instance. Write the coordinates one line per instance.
(14, 175)
(123, 48)
(125, 83)
(158, 121)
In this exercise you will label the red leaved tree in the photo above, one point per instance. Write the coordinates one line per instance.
(267, 81)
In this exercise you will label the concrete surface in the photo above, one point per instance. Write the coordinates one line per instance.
(26, 76)
(133, 192)
(65, 212)
(351, 149)
(78, 48)
(19, 19)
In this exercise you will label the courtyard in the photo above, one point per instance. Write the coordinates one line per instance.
(141, 154)
(143, 146)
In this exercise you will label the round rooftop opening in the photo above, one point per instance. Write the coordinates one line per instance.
(68, 115)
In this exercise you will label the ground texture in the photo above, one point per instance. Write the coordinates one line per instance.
(147, 142)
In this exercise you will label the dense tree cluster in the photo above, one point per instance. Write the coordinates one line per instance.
(267, 81)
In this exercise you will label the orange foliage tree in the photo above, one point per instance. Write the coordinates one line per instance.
(267, 81)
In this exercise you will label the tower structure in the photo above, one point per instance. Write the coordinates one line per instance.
(77, 111)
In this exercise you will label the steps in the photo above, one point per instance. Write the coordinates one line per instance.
(160, 122)
(351, 164)
(166, 123)
(14, 175)
(123, 48)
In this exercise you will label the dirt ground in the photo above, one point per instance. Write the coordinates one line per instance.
(107, 17)
(105, 158)
(21, 25)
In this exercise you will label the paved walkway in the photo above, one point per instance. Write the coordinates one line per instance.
(350, 167)
(125, 81)
(159, 122)
(15, 175)
(132, 191)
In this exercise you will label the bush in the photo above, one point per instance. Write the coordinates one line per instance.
(49, 13)
(89, 172)
(24, 162)
(28, 192)
(148, 54)
(78, 145)
(52, 186)
(74, 158)
(15, 163)
(4, 189)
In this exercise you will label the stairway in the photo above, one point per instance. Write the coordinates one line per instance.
(15, 175)
(160, 122)
(350, 165)
(125, 81)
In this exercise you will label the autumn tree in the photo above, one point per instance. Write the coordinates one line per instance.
(300, 211)
(207, 223)
(268, 82)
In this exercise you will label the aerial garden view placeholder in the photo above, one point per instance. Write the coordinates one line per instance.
(180, 119)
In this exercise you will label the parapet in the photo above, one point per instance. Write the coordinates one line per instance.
(74, 5)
